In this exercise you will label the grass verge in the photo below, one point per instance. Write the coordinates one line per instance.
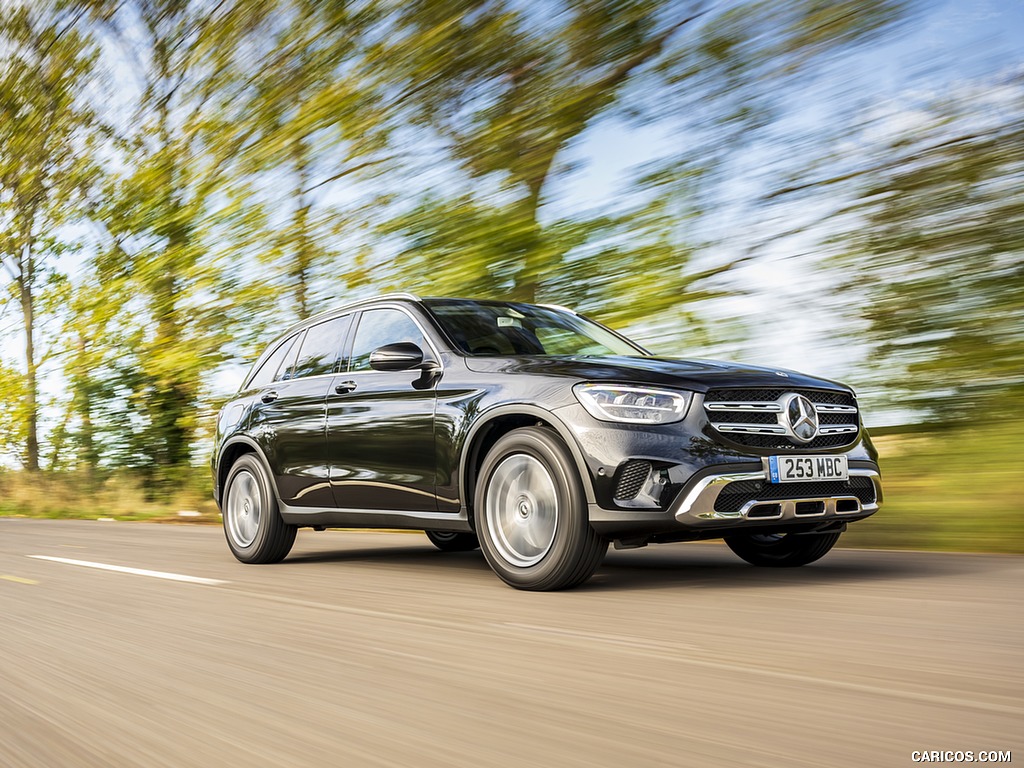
(957, 490)
(77, 496)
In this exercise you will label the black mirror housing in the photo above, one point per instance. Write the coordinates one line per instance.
(401, 356)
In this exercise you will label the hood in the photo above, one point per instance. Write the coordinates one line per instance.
(695, 375)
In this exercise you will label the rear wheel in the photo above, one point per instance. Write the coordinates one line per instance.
(781, 550)
(448, 541)
(531, 513)
(252, 523)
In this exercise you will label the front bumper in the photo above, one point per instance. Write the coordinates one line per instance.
(692, 513)
(696, 507)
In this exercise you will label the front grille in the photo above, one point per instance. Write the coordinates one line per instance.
(632, 477)
(729, 411)
(735, 495)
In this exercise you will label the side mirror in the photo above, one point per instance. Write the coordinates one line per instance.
(402, 356)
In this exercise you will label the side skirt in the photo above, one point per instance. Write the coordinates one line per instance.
(375, 518)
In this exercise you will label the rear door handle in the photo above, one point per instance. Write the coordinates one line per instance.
(269, 397)
(344, 387)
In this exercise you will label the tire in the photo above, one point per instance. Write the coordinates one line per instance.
(448, 541)
(252, 523)
(780, 550)
(531, 513)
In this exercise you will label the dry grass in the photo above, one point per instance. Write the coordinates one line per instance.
(75, 495)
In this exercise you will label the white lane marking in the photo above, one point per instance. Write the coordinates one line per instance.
(133, 571)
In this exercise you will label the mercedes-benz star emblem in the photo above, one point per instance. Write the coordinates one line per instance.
(803, 418)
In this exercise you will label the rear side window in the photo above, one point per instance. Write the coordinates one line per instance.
(321, 347)
(267, 372)
(378, 327)
(288, 366)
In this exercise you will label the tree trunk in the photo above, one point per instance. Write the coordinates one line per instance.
(88, 457)
(171, 397)
(302, 256)
(530, 274)
(25, 281)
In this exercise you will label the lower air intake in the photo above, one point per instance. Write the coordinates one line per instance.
(632, 477)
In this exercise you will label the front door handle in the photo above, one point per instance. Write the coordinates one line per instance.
(344, 387)
(269, 397)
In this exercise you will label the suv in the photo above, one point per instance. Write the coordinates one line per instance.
(535, 434)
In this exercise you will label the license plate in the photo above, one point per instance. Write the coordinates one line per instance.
(800, 469)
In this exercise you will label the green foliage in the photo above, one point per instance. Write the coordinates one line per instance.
(13, 419)
(49, 138)
(937, 248)
(511, 87)
(956, 489)
(313, 120)
(161, 283)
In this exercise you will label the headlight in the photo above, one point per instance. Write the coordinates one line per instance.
(633, 405)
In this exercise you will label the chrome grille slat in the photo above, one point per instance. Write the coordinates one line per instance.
(741, 406)
(829, 408)
(752, 429)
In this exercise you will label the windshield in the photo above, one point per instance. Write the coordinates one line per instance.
(489, 328)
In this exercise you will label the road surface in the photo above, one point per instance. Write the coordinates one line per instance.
(373, 649)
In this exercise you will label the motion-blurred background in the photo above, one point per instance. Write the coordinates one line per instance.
(829, 186)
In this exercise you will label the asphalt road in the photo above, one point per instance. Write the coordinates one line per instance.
(373, 649)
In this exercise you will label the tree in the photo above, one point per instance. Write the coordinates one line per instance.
(312, 119)
(171, 219)
(510, 87)
(935, 243)
(47, 138)
(625, 268)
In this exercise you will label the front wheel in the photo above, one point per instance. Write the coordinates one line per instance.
(448, 541)
(531, 513)
(252, 523)
(781, 550)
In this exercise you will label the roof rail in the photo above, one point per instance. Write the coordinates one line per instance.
(395, 295)
(398, 295)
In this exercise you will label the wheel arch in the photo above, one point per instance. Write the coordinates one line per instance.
(230, 452)
(501, 420)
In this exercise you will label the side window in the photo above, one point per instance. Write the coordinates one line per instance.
(321, 347)
(267, 372)
(286, 371)
(378, 327)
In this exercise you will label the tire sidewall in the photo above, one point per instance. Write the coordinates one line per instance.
(571, 521)
(268, 506)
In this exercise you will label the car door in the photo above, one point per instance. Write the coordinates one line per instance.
(290, 415)
(380, 425)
